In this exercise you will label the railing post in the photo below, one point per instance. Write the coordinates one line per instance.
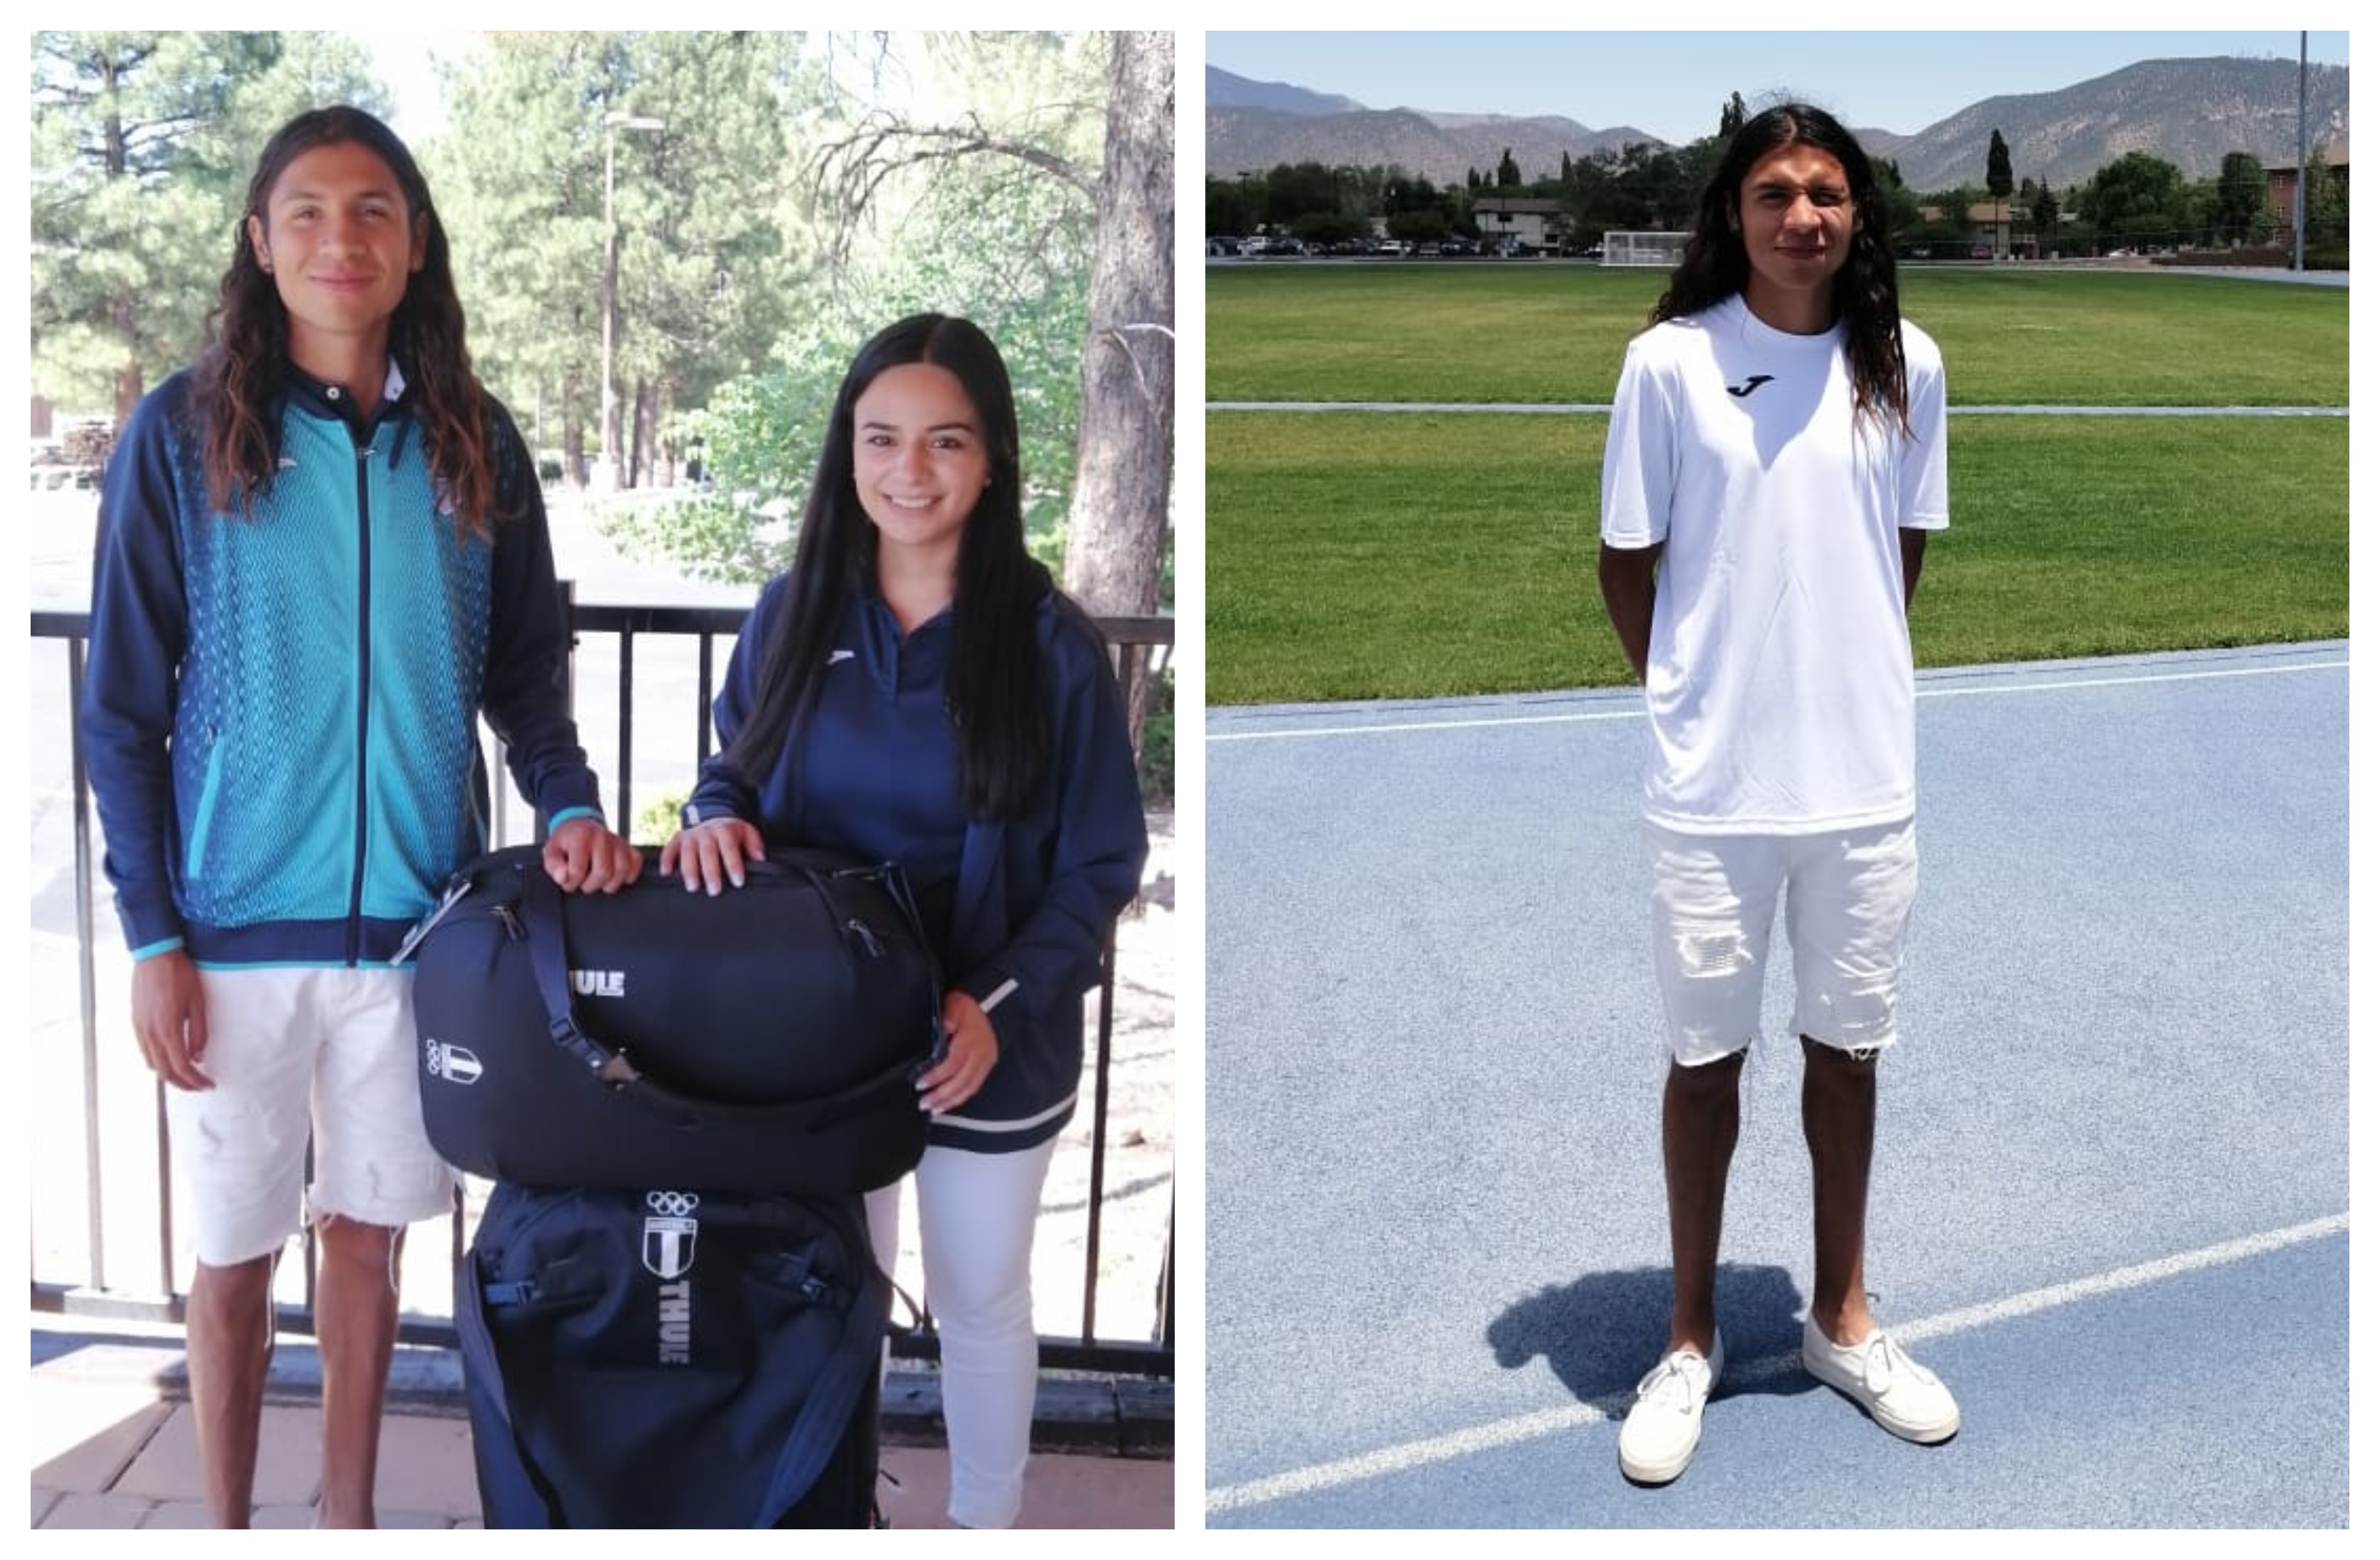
(702, 696)
(86, 958)
(1136, 638)
(624, 816)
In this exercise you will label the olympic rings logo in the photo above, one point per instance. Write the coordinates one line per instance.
(672, 1205)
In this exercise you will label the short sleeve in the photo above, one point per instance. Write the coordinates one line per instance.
(1639, 464)
(1925, 474)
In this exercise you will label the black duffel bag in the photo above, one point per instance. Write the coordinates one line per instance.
(767, 1039)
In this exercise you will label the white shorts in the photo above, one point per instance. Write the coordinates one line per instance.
(293, 1049)
(1847, 902)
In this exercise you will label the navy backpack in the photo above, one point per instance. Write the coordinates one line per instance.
(668, 1359)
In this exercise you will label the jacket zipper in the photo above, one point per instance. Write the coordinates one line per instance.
(363, 701)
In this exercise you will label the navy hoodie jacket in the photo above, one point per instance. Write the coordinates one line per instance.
(1031, 898)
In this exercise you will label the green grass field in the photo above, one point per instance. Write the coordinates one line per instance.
(1518, 332)
(1366, 555)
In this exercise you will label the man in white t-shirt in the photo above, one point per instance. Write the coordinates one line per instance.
(1776, 460)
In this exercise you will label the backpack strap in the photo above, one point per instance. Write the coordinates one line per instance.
(826, 1414)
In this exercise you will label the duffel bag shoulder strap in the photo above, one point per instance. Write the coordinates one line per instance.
(548, 958)
(543, 909)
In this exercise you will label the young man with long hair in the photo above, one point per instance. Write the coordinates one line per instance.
(321, 557)
(916, 689)
(1773, 465)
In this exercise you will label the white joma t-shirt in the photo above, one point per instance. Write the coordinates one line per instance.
(1778, 682)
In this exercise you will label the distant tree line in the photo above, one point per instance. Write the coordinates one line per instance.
(2138, 202)
(1637, 186)
(777, 199)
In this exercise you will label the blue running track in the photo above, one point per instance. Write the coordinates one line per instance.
(2111, 1180)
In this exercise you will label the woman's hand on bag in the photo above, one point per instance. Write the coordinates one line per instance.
(973, 1051)
(712, 850)
(583, 856)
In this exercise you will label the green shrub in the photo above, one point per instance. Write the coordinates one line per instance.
(657, 821)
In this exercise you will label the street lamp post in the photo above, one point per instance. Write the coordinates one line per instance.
(614, 122)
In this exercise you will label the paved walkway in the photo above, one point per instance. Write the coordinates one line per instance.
(112, 1442)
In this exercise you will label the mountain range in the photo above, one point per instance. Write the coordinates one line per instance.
(2188, 112)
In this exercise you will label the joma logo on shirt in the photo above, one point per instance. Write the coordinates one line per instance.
(600, 983)
(1748, 386)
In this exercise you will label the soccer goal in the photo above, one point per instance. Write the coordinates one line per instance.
(1664, 249)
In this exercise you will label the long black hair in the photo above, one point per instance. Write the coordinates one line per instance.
(997, 689)
(1866, 294)
(238, 376)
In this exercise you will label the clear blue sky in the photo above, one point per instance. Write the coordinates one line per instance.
(1671, 85)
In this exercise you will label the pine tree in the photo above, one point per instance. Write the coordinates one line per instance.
(142, 147)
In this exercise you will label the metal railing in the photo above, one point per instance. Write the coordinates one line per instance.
(1141, 644)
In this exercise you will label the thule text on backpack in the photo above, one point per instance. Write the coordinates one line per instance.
(670, 1231)
(677, 1323)
(600, 983)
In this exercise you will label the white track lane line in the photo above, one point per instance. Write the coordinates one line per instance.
(1634, 714)
(1613, 1406)
(1600, 408)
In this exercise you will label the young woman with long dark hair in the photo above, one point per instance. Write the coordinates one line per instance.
(322, 558)
(916, 689)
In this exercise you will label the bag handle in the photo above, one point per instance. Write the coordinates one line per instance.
(542, 903)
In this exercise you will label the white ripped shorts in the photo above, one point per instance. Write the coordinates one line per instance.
(1847, 901)
(332, 1050)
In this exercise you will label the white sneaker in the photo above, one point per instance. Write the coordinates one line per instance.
(1666, 1423)
(1877, 1374)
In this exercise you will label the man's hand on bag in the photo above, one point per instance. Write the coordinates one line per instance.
(713, 851)
(584, 857)
(974, 1051)
(169, 1018)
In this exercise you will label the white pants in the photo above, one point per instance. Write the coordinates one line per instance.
(975, 1214)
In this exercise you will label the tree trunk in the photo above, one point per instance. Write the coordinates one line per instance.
(1124, 461)
(574, 439)
(641, 468)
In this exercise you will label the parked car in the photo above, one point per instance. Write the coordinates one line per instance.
(1223, 247)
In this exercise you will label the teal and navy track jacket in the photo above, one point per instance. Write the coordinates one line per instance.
(280, 709)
